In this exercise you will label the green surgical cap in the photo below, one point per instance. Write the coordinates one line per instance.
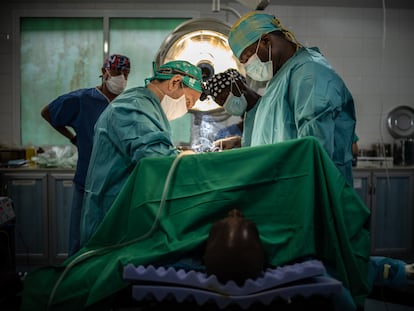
(249, 28)
(191, 74)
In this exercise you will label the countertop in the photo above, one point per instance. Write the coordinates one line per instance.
(34, 168)
(383, 168)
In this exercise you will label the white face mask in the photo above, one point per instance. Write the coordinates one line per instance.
(174, 108)
(258, 70)
(116, 84)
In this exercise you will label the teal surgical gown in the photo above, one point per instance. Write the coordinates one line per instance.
(248, 126)
(307, 97)
(133, 127)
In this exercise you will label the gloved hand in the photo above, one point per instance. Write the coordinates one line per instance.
(228, 143)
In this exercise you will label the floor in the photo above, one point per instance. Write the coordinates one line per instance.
(376, 305)
(382, 299)
(10, 289)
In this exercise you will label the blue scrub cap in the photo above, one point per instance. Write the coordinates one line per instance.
(192, 75)
(249, 29)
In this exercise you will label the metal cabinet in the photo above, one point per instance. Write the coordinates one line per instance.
(42, 201)
(60, 188)
(29, 194)
(389, 195)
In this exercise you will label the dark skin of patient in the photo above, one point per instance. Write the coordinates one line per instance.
(234, 250)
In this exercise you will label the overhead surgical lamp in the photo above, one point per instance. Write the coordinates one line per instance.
(203, 42)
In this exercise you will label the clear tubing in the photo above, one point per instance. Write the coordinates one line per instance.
(93, 252)
(384, 39)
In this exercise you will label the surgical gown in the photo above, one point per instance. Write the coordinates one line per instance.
(134, 126)
(248, 126)
(308, 98)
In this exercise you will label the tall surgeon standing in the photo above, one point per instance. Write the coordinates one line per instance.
(79, 110)
(134, 126)
(304, 96)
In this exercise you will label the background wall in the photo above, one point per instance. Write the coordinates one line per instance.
(370, 47)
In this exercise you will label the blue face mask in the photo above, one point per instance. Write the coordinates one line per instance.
(234, 105)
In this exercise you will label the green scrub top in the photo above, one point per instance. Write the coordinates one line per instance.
(133, 127)
(307, 98)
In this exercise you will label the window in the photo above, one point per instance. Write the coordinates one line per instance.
(58, 55)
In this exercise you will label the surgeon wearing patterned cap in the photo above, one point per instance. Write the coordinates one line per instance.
(115, 73)
(304, 95)
(74, 115)
(230, 90)
(136, 125)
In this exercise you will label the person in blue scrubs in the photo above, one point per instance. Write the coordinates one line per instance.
(74, 115)
(304, 95)
(136, 125)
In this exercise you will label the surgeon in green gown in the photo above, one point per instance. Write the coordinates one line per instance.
(135, 126)
(304, 96)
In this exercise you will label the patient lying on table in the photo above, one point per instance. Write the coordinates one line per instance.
(234, 250)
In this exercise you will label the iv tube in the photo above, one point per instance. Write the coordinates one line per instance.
(93, 252)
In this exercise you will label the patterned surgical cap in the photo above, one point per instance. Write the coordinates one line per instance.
(117, 62)
(217, 83)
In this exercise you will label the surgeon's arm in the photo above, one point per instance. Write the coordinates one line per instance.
(45, 113)
(313, 110)
(140, 135)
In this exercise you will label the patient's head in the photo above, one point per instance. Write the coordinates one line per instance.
(234, 250)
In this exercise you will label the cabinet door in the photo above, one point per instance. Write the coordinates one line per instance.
(29, 194)
(362, 186)
(60, 204)
(392, 215)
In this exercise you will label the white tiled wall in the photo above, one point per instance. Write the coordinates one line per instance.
(372, 49)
